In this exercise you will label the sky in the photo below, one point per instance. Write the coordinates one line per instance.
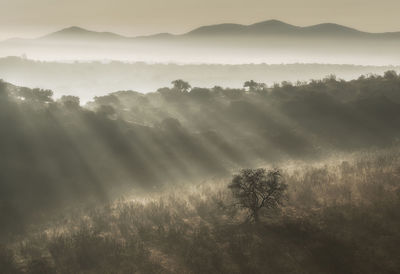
(33, 18)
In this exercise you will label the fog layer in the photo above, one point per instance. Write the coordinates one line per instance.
(89, 79)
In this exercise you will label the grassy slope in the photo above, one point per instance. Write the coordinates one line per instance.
(339, 218)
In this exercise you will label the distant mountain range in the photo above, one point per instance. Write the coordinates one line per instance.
(269, 41)
(275, 27)
(261, 29)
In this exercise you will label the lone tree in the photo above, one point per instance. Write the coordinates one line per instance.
(256, 189)
(254, 86)
(181, 85)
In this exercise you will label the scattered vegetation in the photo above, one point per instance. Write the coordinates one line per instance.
(338, 218)
(56, 152)
(63, 165)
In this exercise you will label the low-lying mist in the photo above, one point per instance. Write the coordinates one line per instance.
(218, 48)
(90, 79)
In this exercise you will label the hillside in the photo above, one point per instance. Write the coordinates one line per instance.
(128, 139)
(77, 182)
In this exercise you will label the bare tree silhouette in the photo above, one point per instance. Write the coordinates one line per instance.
(256, 189)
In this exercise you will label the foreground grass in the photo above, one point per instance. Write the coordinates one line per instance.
(338, 218)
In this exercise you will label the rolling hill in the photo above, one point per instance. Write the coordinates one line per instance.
(269, 41)
(260, 29)
(77, 33)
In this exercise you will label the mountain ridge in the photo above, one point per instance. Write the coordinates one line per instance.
(76, 32)
(263, 28)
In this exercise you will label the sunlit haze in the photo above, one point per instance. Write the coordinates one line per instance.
(192, 137)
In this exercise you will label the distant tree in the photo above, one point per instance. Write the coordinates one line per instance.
(36, 95)
(181, 85)
(254, 86)
(251, 85)
(200, 93)
(69, 101)
(330, 79)
(110, 99)
(256, 189)
(3, 90)
(261, 86)
(171, 124)
(286, 84)
(217, 89)
(390, 75)
(107, 111)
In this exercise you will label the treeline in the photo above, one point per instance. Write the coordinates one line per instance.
(267, 122)
(56, 151)
(102, 77)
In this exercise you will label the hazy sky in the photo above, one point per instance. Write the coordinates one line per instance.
(30, 18)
